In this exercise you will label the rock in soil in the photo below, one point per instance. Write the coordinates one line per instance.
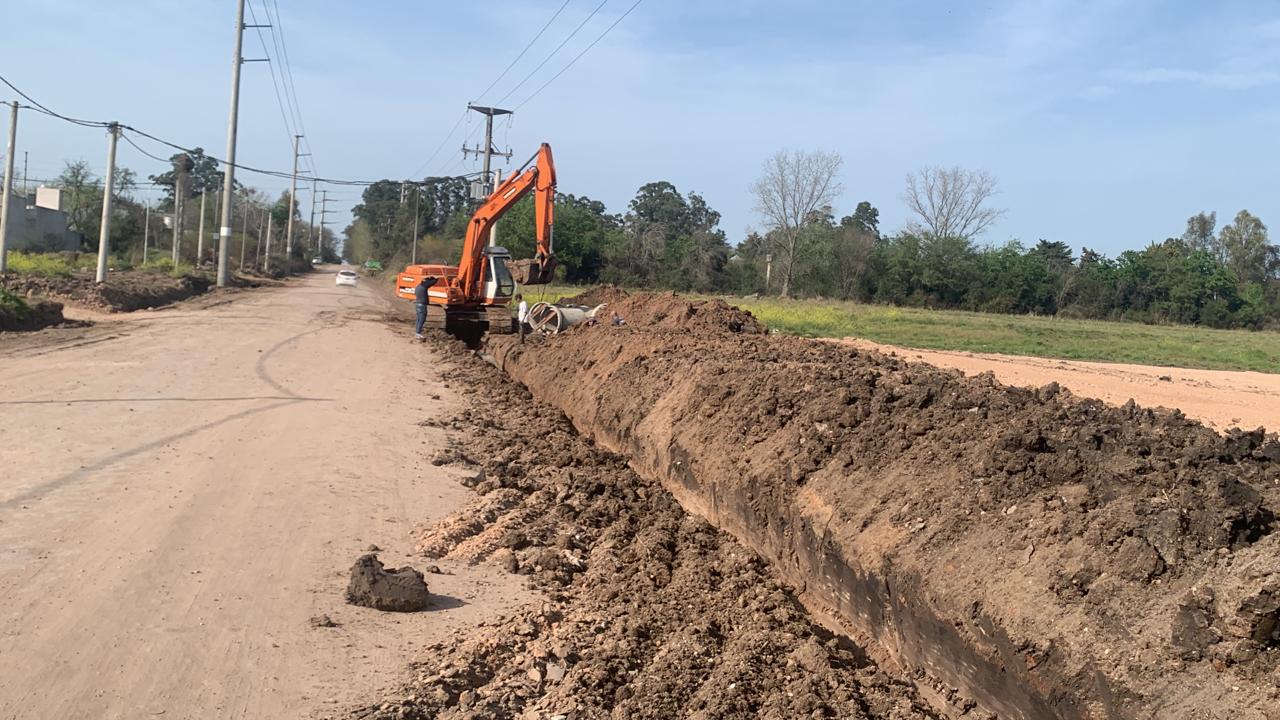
(397, 590)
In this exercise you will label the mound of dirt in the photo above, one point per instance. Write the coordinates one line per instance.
(396, 590)
(649, 613)
(668, 310)
(122, 292)
(1048, 556)
(32, 315)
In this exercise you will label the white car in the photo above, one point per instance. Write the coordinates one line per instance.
(346, 277)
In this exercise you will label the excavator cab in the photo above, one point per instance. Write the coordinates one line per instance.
(499, 285)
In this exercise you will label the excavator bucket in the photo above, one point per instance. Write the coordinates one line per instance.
(532, 272)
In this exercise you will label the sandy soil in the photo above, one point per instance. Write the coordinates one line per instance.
(184, 489)
(1220, 399)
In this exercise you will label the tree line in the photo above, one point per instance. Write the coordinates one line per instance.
(193, 174)
(1219, 277)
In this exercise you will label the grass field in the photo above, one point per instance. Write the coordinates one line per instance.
(1169, 345)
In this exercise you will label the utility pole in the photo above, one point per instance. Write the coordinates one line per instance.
(244, 234)
(493, 229)
(182, 169)
(324, 210)
(200, 236)
(146, 232)
(417, 196)
(293, 196)
(488, 152)
(8, 183)
(229, 178)
(108, 187)
(266, 260)
(311, 226)
(257, 248)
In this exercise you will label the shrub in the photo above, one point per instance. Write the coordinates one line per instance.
(12, 304)
(46, 264)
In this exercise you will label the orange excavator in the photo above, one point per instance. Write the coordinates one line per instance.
(473, 296)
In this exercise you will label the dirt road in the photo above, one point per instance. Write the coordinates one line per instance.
(184, 489)
(1220, 399)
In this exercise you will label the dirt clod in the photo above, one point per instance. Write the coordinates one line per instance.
(396, 590)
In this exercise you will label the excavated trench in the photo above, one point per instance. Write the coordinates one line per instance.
(1029, 553)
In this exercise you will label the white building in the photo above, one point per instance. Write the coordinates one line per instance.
(39, 223)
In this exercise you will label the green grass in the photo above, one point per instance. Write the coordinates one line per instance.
(46, 264)
(1167, 345)
(13, 304)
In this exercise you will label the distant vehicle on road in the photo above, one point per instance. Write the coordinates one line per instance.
(346, 277)
(316, 260)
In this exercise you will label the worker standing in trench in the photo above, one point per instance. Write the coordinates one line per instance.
(420, 301)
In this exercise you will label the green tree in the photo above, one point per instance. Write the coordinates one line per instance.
(1248, 253)
(865, 218)
(205, 176)
(1199, 234)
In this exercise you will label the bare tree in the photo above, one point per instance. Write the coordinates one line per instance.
(951, 202)
(794, 188)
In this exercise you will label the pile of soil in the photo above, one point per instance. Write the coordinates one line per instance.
(124, 291)
(395, 590)
(1049, 556)
(669, 310)
(649, 612)
(34, 314)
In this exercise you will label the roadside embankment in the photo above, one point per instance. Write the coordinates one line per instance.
(1041, 555)
(124, 291)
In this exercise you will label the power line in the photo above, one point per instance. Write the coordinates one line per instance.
(277, 28)
(35, 105)
(522, 52)
(440, 147)
(553, 52)
(280, 103)
(579, 55)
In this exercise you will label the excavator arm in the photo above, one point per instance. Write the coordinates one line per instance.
(538, 176)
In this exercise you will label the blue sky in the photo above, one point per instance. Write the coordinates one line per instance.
(1107, 123)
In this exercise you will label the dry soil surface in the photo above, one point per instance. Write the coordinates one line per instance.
(1220, 399)
(185, 489)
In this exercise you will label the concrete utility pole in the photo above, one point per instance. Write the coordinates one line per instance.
(493, 229)
(8, 183)
(204, 194)
(146, 232)
(293, 197)
(229, 178)
(108, 188)
(257, 246)
(244, 235)
(182, 168)
(311, 226)
(324, 210)
(417, 196)
(266, 260)
(488, 152)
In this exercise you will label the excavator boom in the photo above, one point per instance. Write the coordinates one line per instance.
(538, 176)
